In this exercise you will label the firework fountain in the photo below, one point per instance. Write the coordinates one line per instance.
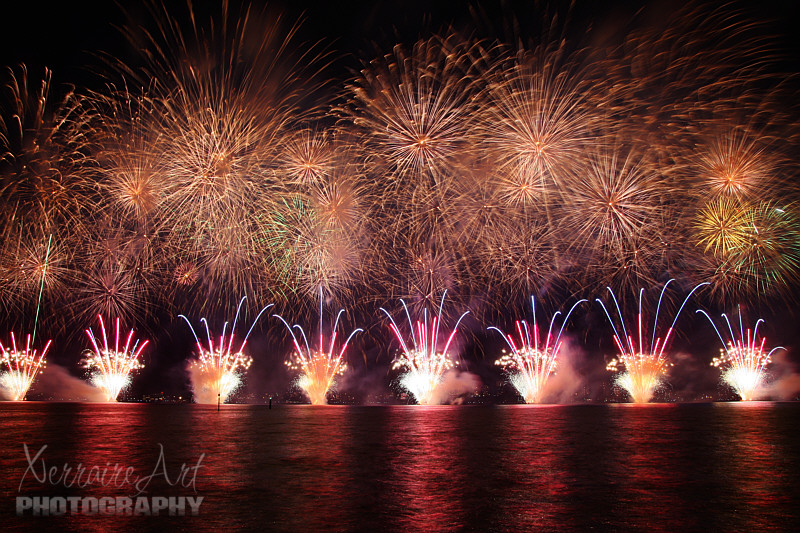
(111, 367)
(642, 369)
(21, 367)
(217, 371)
(742, 358)
(424, 363)
(530, 362)
(319, 368)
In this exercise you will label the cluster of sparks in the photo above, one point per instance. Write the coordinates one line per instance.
(742, 358)
(531, 362)
(422, 362)
(641, 367)
(111, 366)
(217, 370)
(319, 367)
(20, 367)
(210, 165)
(454, 163)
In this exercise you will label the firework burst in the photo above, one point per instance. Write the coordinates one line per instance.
(111, 366)
(749, 249)
(742, 358)
(319, 368)
(20, 367)
(217, 371)
(642, 367)
(531, 362)
(424, 364)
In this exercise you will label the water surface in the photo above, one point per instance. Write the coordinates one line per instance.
(667, 467)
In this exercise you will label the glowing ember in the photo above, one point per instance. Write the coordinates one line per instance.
(742, 358)
(217, 371)
(642, 369)
(21, 367)
(424, 364)
(530, 362)
(111, 367)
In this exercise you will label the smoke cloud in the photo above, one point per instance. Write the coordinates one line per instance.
(57, 383)
(783, 381)
(562, 386)
(454, 387)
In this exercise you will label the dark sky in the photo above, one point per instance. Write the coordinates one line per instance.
(65, 35)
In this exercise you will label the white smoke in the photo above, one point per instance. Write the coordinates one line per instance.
(55, 382)
(562, 386)
(454, 387)
(783, 382)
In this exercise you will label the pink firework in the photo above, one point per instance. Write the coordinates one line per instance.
(20, 367)
(742, 359)
(531, 361)
(642, 367)
(111, 366)
(424, 363)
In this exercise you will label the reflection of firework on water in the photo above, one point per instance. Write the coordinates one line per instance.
(531, 362)
(217, 371)
(111, 366)
(319, 367)
(20, 367)
(742, 358)
(423, 363)
(642, 366)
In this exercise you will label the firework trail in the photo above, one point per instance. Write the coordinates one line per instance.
(111, 366)
(423, 363)
(319, 367)
(742, 358)
(20, 367)
(530, 362)
(217, 371)
(642, 367)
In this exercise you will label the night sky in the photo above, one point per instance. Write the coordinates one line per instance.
(69, 37)
(66, 36)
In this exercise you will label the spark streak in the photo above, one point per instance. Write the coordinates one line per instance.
(111, 368)
(424, 363)
(531, 363)
(642, 368)
(319, 367)
(217, 371)
(742, 358)
(21, 367)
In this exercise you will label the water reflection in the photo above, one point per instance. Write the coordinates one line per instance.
(427, 468)
(730, 467)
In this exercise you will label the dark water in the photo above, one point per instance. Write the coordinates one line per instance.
(712, 467)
